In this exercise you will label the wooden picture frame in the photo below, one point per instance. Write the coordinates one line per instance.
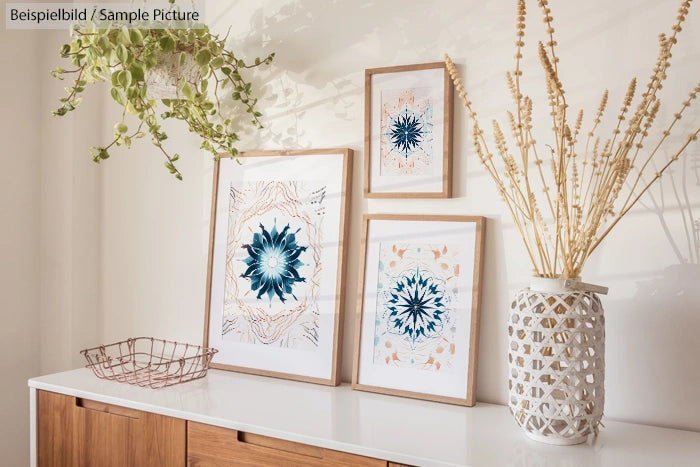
(408, 132)
(418, 310)
(277, 255)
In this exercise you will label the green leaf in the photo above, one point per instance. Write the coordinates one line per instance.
(122, 53)
(104, 44)
(124, 78)
(202, 57)
(235, 76)
(121, 128)
(103, 154)
(117, 96)
(217, 62)
(65, 50)
(150, 60)
(187, 91)
(129, 58)
(166, 44)
(136, 36)
(115, 78)
(137, 72)
(183, 57)
(203, 85)
(125, 37)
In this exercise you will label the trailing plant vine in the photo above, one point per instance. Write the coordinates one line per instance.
(124, 57)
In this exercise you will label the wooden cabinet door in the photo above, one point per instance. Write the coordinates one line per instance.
(210, 446)
(81, 432)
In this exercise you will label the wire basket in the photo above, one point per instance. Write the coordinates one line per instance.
(149, 362)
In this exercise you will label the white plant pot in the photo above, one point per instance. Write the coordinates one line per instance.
(556, 358)
(162, 80)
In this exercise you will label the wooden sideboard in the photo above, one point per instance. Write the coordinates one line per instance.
(73, 431)
(237, 419)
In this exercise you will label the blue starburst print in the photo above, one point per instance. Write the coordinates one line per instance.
(273, 263)
(417, 307)
(406, 133)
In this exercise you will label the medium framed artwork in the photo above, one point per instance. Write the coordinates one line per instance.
(417, 328)
(276, 263)
(408, 132)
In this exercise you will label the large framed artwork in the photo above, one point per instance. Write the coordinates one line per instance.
(276, 263)
(408, 132)
(417, 328)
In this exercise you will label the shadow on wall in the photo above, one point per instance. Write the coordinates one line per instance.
(676, 200)
(325, 72)
(668, 330)
(296, 83)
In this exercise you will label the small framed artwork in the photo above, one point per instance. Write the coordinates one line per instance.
(276, 263)
(408, 132)
(417, 328)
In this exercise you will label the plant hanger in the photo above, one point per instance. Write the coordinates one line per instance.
(204, 75)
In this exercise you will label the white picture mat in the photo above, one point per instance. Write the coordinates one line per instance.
(325, 168)
(432, 183)
(409, 379)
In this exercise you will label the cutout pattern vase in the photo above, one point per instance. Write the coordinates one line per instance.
(556, 338)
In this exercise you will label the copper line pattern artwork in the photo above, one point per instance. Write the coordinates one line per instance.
(273, 264)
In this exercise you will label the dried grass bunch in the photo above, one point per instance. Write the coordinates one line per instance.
(584, 183)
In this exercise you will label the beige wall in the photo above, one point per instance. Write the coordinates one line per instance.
(49, 280)
(94, 254)
(19, 241)
(70, 237)
(155, 229)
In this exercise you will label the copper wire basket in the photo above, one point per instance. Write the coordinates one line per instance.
(149, 362)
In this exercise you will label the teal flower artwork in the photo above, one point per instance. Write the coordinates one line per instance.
(273, 263)
(406, 133)
(417, 307)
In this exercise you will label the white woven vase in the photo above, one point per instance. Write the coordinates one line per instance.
(556, 361)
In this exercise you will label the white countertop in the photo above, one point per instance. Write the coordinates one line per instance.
(397, 429)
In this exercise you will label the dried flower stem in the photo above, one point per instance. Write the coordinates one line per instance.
(586, 193)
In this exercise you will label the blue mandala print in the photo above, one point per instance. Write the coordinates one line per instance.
(273, 263)
(406, 132)
(417, 307)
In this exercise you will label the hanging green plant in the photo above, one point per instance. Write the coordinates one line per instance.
(203, 71)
